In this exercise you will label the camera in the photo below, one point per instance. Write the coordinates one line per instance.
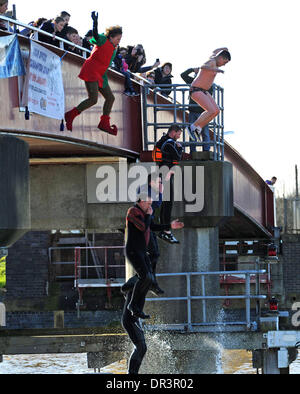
(139, 52)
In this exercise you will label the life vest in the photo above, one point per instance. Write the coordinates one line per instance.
(158, 153)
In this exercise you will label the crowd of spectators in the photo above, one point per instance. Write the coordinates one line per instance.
(130, 61)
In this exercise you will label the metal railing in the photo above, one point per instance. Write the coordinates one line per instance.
(247, 296)
(179, 105)
(62, 41)
(79, 267)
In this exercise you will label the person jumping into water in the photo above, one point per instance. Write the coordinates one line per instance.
(200, 86)
(139, 224)
(94, 73)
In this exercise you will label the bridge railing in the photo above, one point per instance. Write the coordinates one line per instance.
(178, 105)
(37, 31)
(247, 296)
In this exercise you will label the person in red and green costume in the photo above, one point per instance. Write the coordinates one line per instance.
(94, 73)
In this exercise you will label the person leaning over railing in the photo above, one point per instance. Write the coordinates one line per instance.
(28, 32)
(71, 35)
(3, 9)
(121, 66)
(136, 58)
(54, 27)
(66, 17)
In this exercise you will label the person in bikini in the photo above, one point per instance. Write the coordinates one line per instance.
(200, 86)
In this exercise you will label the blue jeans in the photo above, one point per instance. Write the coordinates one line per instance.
(193, 116)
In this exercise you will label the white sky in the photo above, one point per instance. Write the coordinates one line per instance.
(262, 82)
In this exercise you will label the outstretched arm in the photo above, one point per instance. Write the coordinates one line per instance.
(95, 24)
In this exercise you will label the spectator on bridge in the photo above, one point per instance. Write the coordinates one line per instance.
(66, 17)
(94, 74)
(150, 76)
(121, 66)
(195, 111)
(28, 32)
(272, 181)
(54, 27)
(73, 36)
(163, 77)
(136, 58)
(3, 9)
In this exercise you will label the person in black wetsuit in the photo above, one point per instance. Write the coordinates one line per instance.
(135, 332)
(171, 151)
(154, 189)
(139, 223)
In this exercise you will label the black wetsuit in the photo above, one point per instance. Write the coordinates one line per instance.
(135, 332)
(171, 155)
(139, 226)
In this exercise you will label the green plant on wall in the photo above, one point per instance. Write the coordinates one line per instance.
(2, 272)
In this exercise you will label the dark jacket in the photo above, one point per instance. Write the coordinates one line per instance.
(163, 80)
(188, 79)
(171, 152)
(49, 28)
(132, 61)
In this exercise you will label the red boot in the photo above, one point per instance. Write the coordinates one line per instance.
(104, 125)
(69, 117)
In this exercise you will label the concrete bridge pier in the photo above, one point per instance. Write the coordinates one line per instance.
(14, 190)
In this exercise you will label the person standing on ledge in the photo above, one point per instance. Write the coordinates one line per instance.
(201, 85)
(94, 73)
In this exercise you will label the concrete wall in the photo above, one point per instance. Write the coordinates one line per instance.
(59, 198)
(27, 267)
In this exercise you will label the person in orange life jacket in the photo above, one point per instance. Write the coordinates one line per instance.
(94, 73)
(171, 151)
(139, 224)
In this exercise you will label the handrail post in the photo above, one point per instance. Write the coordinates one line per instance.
(203, 301)
(189, 308)
(247, 294)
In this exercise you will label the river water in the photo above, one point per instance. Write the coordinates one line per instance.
(233, 362)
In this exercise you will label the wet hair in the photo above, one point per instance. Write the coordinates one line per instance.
(113, 31)
(174, 127)
(225, 55)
